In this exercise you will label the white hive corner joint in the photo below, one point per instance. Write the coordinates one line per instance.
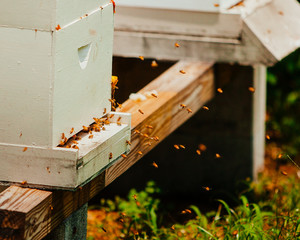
(247, 32)
(55, 73)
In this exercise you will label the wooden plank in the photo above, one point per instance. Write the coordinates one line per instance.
(23, 210)
(194, 89)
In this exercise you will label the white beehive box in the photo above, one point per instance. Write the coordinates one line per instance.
(55, 73)
(248, 32)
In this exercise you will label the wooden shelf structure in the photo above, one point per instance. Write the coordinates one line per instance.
(27, 213)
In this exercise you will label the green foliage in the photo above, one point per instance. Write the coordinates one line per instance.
(283, 103)
(273, 213)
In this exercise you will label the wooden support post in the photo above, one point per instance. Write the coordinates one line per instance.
(194, 88)
(259, 116)
(72, 228)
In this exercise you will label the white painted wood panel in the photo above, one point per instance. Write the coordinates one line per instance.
(280, 31)
(178, 22)
(260, 31)
(45, 15)
(45, 89)
(82, 93)
(25, 89)
(65, 167)
(190, 5)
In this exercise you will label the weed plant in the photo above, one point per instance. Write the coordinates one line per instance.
(268, 209)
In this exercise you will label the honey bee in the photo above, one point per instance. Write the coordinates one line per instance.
(235, 232)
(110, 155)
(112, 115)
(183, 147)
(91, 136)
(173, 227)
(176, 146)
(25, 149)
(182, 105)
(58, 27)
(148, 143)
(104, 111)
(62, 136)
(119, 124)
(207, 188)
(154, 64)
(51, 208)
(137, 131)
(205, 108)
(123, 214)
(21, 134)
(280, 155)
(128, 142)
(75, 147)
(103, 229)
(112, 101)
(142, 58)
(182, 71)
(185, 211)
(123, 155)
(202, 147)
(61, 143)
(149, 126)
(218, 155)
(121, 220)
(119, 119)
(154, 164)
(24, 182)
(134, 197)
(75, 142)
(140, 153)
(198, 152)
(146, 135)
(85, 129)
(153, 95)
(251, 89)
(156, 138)
(216, 5)
(68, 146)
(268, 137)
(220, 90)
(280, 13)
(189, 110)
(72, 130)
(119, 105)
(141, 111)
(284, 173)
(177, 45)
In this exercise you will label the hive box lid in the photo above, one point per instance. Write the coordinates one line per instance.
(44, 14)
(190, 5)
(247, 32)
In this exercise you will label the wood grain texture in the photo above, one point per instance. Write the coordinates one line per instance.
(23, 212)
(164, 113)
(194, 89)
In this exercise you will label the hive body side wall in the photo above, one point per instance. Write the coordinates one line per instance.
(83, 62)
(25, 92)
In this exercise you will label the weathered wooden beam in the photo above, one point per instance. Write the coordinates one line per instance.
(164, 114)
(24, 213)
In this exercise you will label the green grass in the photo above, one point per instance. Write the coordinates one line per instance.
(268, 209)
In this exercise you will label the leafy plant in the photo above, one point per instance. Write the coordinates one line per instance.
(272, 213)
